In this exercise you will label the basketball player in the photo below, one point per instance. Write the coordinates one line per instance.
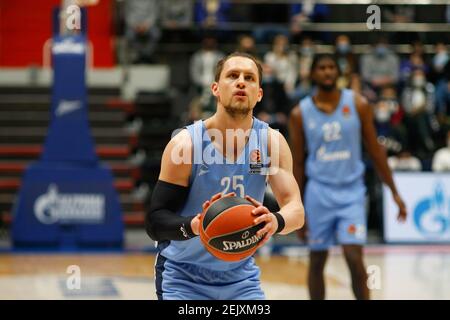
(329, 125)
(184, 269)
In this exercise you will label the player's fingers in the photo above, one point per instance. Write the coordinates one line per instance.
(265, 230)
(253, 201)
(205, 205)
(263, 216)
(231, 194)
(260, 211)
(216, 196)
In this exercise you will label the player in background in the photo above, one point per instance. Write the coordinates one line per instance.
(330, 126)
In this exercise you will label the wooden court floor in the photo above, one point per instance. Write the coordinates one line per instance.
(396, 273)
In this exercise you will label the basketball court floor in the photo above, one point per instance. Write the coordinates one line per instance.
(395, 272)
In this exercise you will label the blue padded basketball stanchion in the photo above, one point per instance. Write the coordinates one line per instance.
(67, 198)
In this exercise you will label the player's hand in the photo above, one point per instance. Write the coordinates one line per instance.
(195, 224)
(263, 215)
(401, 208)
(215, 197)
(197, 220)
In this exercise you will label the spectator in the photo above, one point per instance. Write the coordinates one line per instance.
(439, 61)
(176, 17)
(441, 74)
(414, 61)
(441, 159)
(387, 114)
(280, 65)
(418, 103)
(142, 31)
(177, 13)
(404, 161)
(379, 68)
(202, 68)
(305, 57)
(307, 11)
(347, 64)
(246, 43)
(213, 15)
(443, 95)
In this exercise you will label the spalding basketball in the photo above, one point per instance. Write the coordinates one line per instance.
(227, 230)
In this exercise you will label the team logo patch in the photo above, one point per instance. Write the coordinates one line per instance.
(357, 230)
(346, 111)
(351, 229)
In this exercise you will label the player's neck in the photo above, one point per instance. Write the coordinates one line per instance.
(222, 120)
(327, 96)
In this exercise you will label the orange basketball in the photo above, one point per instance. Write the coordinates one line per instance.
(227, 230)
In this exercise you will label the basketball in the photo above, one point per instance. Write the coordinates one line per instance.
(227, 230)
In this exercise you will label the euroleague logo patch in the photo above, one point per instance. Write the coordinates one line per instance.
(255, 162)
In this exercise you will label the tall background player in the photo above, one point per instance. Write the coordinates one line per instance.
(330, 125)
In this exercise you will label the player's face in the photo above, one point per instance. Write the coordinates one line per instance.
(238, 88)
(325, 74)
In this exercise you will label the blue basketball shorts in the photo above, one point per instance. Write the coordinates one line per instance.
(182, 281)
(331, 219)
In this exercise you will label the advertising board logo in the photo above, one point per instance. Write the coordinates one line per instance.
(53, 207)
(432, 214)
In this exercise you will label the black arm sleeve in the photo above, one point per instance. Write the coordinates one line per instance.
(161, 220)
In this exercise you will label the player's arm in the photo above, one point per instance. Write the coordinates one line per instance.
(376, 152)
(170, 193)
(297, 144)
(285, 188)
(284, 185)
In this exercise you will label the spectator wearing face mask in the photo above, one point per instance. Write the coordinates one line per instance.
(414, 61)
(441, 75)
(404, 161)
(440, 59)
(418, 101)
(347, 64)
(387, 115)
(379, 68)
(441, 159)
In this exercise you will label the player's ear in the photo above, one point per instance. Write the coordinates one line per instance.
(215, 89)
(260, 94)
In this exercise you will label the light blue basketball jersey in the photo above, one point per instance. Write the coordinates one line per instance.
(333, 144)
(212, 174)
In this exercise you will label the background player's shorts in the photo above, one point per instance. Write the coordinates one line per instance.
(182, 281)
(335, 216)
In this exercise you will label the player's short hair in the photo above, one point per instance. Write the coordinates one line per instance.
(219, 66)
(324, 56)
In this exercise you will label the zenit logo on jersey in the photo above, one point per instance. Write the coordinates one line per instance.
(346, 111)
